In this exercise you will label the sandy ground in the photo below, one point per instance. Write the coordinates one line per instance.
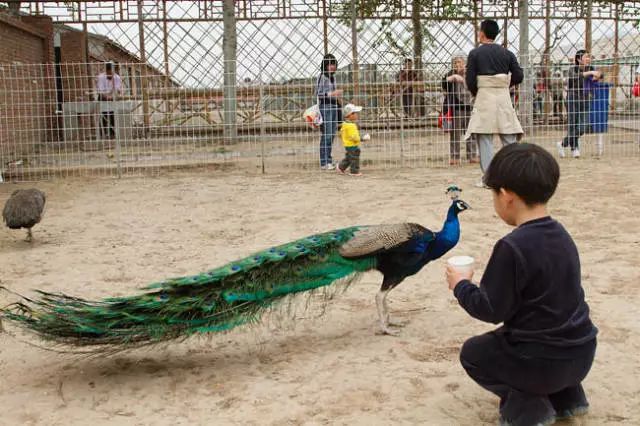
(108, 237)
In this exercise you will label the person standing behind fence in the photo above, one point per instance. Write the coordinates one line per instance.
(407, 75)
(556, 85)
(487, 77)
(329, 104)
(581, 79)
(458, 101)
(108, 86)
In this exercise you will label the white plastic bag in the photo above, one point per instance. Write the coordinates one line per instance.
(313, 117)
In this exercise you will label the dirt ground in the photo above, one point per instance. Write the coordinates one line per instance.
(107, 237)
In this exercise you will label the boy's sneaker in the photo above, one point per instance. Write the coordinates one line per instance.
(328, 166)
(560, 150)
(546, 422)
(575, 153)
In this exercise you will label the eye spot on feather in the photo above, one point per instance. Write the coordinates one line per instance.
(235, 268)
(257, 258)
(162, 297)
(282, 253)
(272, 250)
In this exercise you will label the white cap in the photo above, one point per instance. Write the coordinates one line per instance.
(350, 108)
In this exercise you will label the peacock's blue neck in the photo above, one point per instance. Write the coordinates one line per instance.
(448, 236)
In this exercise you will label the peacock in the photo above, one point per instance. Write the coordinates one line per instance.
(24, 209)
(241, 291)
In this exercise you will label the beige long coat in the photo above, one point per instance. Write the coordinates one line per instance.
(493, 112)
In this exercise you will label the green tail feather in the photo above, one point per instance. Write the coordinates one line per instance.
(217, 300)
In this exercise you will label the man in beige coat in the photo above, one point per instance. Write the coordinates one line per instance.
(491, 71)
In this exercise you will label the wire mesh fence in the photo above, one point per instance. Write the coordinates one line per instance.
(71, 119)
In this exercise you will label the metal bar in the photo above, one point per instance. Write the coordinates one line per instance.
(616, 54)
(262, 126)
(143, 60)
(229, 46)
(325, 28)
(525, 100)
(275, 90)
(355, 70)
(589, 27)
(546, 58)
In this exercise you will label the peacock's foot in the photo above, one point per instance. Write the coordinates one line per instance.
(398, 324)
(384, 329)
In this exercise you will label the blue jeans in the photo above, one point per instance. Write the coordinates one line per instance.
(329, 129)
(578, 120)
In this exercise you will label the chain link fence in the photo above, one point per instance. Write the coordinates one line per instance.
(169, 113)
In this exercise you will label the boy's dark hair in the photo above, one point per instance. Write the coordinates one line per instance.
(525, 169)
(108, 66)
(490, 28)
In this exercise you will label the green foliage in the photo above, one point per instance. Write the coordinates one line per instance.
(430, 11)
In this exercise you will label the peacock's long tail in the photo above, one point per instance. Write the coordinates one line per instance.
(217, 300)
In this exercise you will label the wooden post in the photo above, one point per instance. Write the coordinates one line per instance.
(165, 48)
(229, 46)
(165, 41)
(525, 100)
(416, 23)
(476, 27)
(588, 25)
(325, 28)
(262, 109)
(616, 58)
(355, 71)
(546, 58)
(143, 61)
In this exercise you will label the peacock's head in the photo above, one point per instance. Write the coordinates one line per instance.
(453, 191)
(460, 206)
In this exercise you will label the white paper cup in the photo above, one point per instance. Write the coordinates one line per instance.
(461, 263)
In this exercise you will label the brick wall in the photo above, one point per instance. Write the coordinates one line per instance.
(27, 85)
(77, 79)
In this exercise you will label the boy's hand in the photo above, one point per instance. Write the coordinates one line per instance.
(454, 276)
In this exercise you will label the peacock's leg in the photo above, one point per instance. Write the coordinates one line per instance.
(386, 309)
(383, 313)
(29, 236)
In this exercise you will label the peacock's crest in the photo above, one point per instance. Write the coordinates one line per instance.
(453, 191)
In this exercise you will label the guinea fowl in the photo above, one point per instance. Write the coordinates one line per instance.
(24, 209)
(241, 291)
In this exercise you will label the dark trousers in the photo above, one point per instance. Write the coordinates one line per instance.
(577, 121)
(456, 133)
(351, 159)
(407, 102)
(108, 124)
(330, 116)
(558, 102)
(531, 389)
